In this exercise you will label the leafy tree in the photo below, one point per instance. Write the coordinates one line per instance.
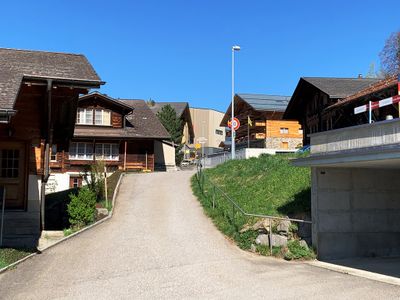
(173, 124)
(371, 71)
(390, 55)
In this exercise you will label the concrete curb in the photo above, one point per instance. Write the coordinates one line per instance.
(39, 251)
(356, 272)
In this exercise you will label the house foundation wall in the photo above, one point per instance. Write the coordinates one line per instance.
(22, 228)
(355, 212)
(276, 142)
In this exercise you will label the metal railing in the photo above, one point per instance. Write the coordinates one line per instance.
(201, 177)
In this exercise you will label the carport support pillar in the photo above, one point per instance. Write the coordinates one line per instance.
(46, 163)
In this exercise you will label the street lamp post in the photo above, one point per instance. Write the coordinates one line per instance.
(234, 48)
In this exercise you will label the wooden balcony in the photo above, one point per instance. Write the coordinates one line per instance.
(133, 162)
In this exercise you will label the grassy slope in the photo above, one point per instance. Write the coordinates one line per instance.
(267, 185)
(8, 256)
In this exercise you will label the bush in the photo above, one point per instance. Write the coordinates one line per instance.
(82, 208)
(296, 251)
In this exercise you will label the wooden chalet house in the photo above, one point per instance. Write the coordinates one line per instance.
(314, 101)
(124, 134)
(343, 110)
(39, 92)
(269, 129)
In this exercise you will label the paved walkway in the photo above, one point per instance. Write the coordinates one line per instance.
(160, 245)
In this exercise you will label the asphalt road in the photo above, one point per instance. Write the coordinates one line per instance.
(159, 244)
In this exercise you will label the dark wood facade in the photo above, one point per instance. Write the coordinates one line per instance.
(22, 140)
(108, 142)
(315, 103)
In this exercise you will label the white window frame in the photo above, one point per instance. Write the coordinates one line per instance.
(102, 112)
(284, 130)
(74, 151)
(83, 112)
(101, 148)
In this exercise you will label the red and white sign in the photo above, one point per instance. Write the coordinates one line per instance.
(236, 124)
(377, 104)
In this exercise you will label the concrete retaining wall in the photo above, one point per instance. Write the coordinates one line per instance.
(356, 212)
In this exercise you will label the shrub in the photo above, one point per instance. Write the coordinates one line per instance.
(297, 251)
(82, 208)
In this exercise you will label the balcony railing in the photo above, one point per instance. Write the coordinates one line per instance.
(356, 137)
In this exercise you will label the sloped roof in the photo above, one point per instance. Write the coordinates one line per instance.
(262, 102)
(178, 106)
(144, 121)
(17, 64)
(141, 123)
(373, 88)
(340, 87)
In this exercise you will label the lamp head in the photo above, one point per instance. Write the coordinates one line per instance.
(236, 48)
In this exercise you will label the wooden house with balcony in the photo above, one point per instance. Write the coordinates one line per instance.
(122, 133)
(268, 129)
(312, 97)
(39, 94)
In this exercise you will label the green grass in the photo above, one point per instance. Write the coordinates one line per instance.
(112, 184)
(11, 255)
(267, 185)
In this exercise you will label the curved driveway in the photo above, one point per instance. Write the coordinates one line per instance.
(159, 244)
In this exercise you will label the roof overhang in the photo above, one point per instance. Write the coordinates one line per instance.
(107, 99)
(68, 82)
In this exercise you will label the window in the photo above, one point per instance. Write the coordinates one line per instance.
(9, 163)
(219, 132)
(75, 182)
(84, 116)
(107, 151)
(102, 117)
(53, 154)
(81, 151)
(284, 130)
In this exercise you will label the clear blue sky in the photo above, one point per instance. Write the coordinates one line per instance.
(181, 50)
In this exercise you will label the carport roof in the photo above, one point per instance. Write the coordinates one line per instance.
(385, 157)
(16, 64)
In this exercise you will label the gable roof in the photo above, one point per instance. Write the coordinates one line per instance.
(178, 106)
(141, 123)
(335, 88)
(262, 102)
(106, 98)
(15, 65)
(340, 87)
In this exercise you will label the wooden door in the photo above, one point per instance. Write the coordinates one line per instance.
(285, 145)
(13, 173)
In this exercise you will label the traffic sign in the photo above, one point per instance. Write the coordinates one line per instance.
(236, 124)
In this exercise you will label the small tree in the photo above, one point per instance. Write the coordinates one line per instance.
(94, 178)
(173, 124)
(390, 55)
